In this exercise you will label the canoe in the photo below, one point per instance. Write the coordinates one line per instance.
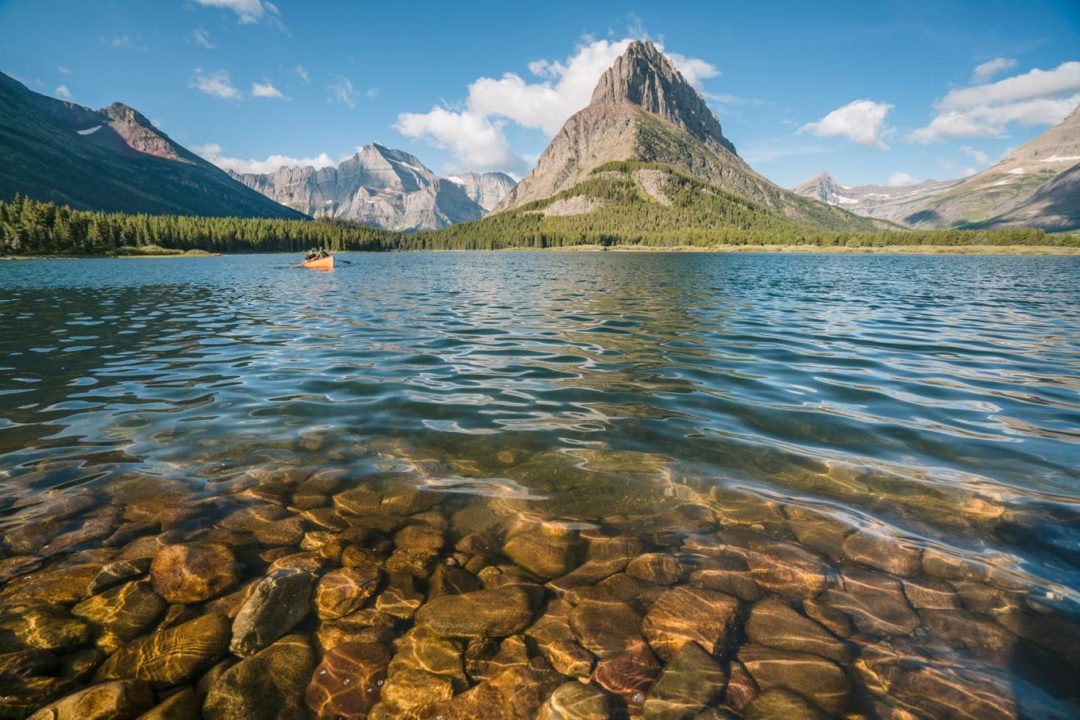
(326, 263)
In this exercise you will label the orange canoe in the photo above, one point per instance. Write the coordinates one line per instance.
(326, 263)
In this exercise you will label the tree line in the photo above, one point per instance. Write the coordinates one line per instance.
(31, 227)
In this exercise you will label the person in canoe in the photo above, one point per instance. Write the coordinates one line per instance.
(316, 254)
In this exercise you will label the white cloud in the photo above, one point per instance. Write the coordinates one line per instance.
(1037, 97)
(990, 68)
(342, 91)
(302, 74)
(202, 37)
(977, 155)
(247, 11)
(216, 84)
(62, 91)
(125, 41)
(266, 90)
(63, 69)
(475, 134)
(861, 121)
(900, 179)
(212, 152)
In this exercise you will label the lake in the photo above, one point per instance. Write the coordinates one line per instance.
(471, 484)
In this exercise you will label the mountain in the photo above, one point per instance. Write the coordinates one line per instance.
(1006, 186)
(1035, 184)
(885, 202)
(110, 159)
(484, 189)
(644, 111)
(383, 187)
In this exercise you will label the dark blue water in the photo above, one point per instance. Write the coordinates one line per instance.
(930, 403)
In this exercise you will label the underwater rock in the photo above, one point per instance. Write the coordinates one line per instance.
(779, 703)
(658, 568)
(117, 572)
(728, 574)
(364, 626)
(684, 614)
(546, 551)
(43, 627)
(182, 705)
(348, 681)
(605, 627)
(485, 613)
(811, 676)
(279, 601)
(193, 573)
(629, 674)
(116, 700)
(401, 598)
(123, 612)
(344, 591)
(875, 603)
(687, 685)
(269, 685)
(171, 656)
(574, 701)
(788, 570)
(882, 551)
(555, 640)
(774, 624)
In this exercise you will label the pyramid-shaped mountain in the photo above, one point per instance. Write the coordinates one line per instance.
(110, 159)
(644, 111)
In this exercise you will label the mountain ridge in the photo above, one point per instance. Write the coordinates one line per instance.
(112, 159)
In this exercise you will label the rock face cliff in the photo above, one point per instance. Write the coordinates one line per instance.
(643, 110)
(377, 186)
(484, 189)
(110, 159)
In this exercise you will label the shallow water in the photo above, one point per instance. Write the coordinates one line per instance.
(870, 461)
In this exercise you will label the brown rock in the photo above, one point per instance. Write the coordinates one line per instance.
(364, 626)
(546, 551)
(685, 614)
(171, 656)
(117, 572)
(118, 700)
(193, 573)
(555, 639)
(688, 684)
(779, 703)
(788, 570)
(348, 681)
(659, 568)
(276, 605)
(183, 705)
(268, 685)
(774, 624)
(875, 603)
(400, 598)
(43, 627)
(495, 613)
(811, 676)
(123, 613)
(741, 688)
(629, 675)
(574, 701)
(882, 551)
(605, 628)
(344, 591)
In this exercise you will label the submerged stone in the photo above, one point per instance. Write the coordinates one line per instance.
(279, 601)
(689, 683)
(658, 568)
(269, 685)
(171, 656)
(545, 551)
(689, 614)
(775, 624)
(875, 603)
(348, 681)
(811, 676)
(401, 598)
(43, 627)
(485, 613)
(118, 572)
(182, 705)
(605, 628)
(574, 701)
(116, 700)
(193, 573)
(345, 590)
(123, 612)
(777, 704)
(629, 674)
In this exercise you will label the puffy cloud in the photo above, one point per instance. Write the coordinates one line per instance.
(475, 134)
(977, 155)
(212, 152)
(990, 68)
(342, 91)
(1037, 97)
(216, 84)
(62, 91)
(266, 90)
(901, 179)
(247, 11)
(861, 121)
(202, 37)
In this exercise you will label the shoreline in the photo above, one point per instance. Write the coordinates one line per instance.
(1045, 250)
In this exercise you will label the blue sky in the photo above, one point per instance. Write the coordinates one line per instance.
(868, 91)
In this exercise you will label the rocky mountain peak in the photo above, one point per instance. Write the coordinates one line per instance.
(645, 77)
(120, 112)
